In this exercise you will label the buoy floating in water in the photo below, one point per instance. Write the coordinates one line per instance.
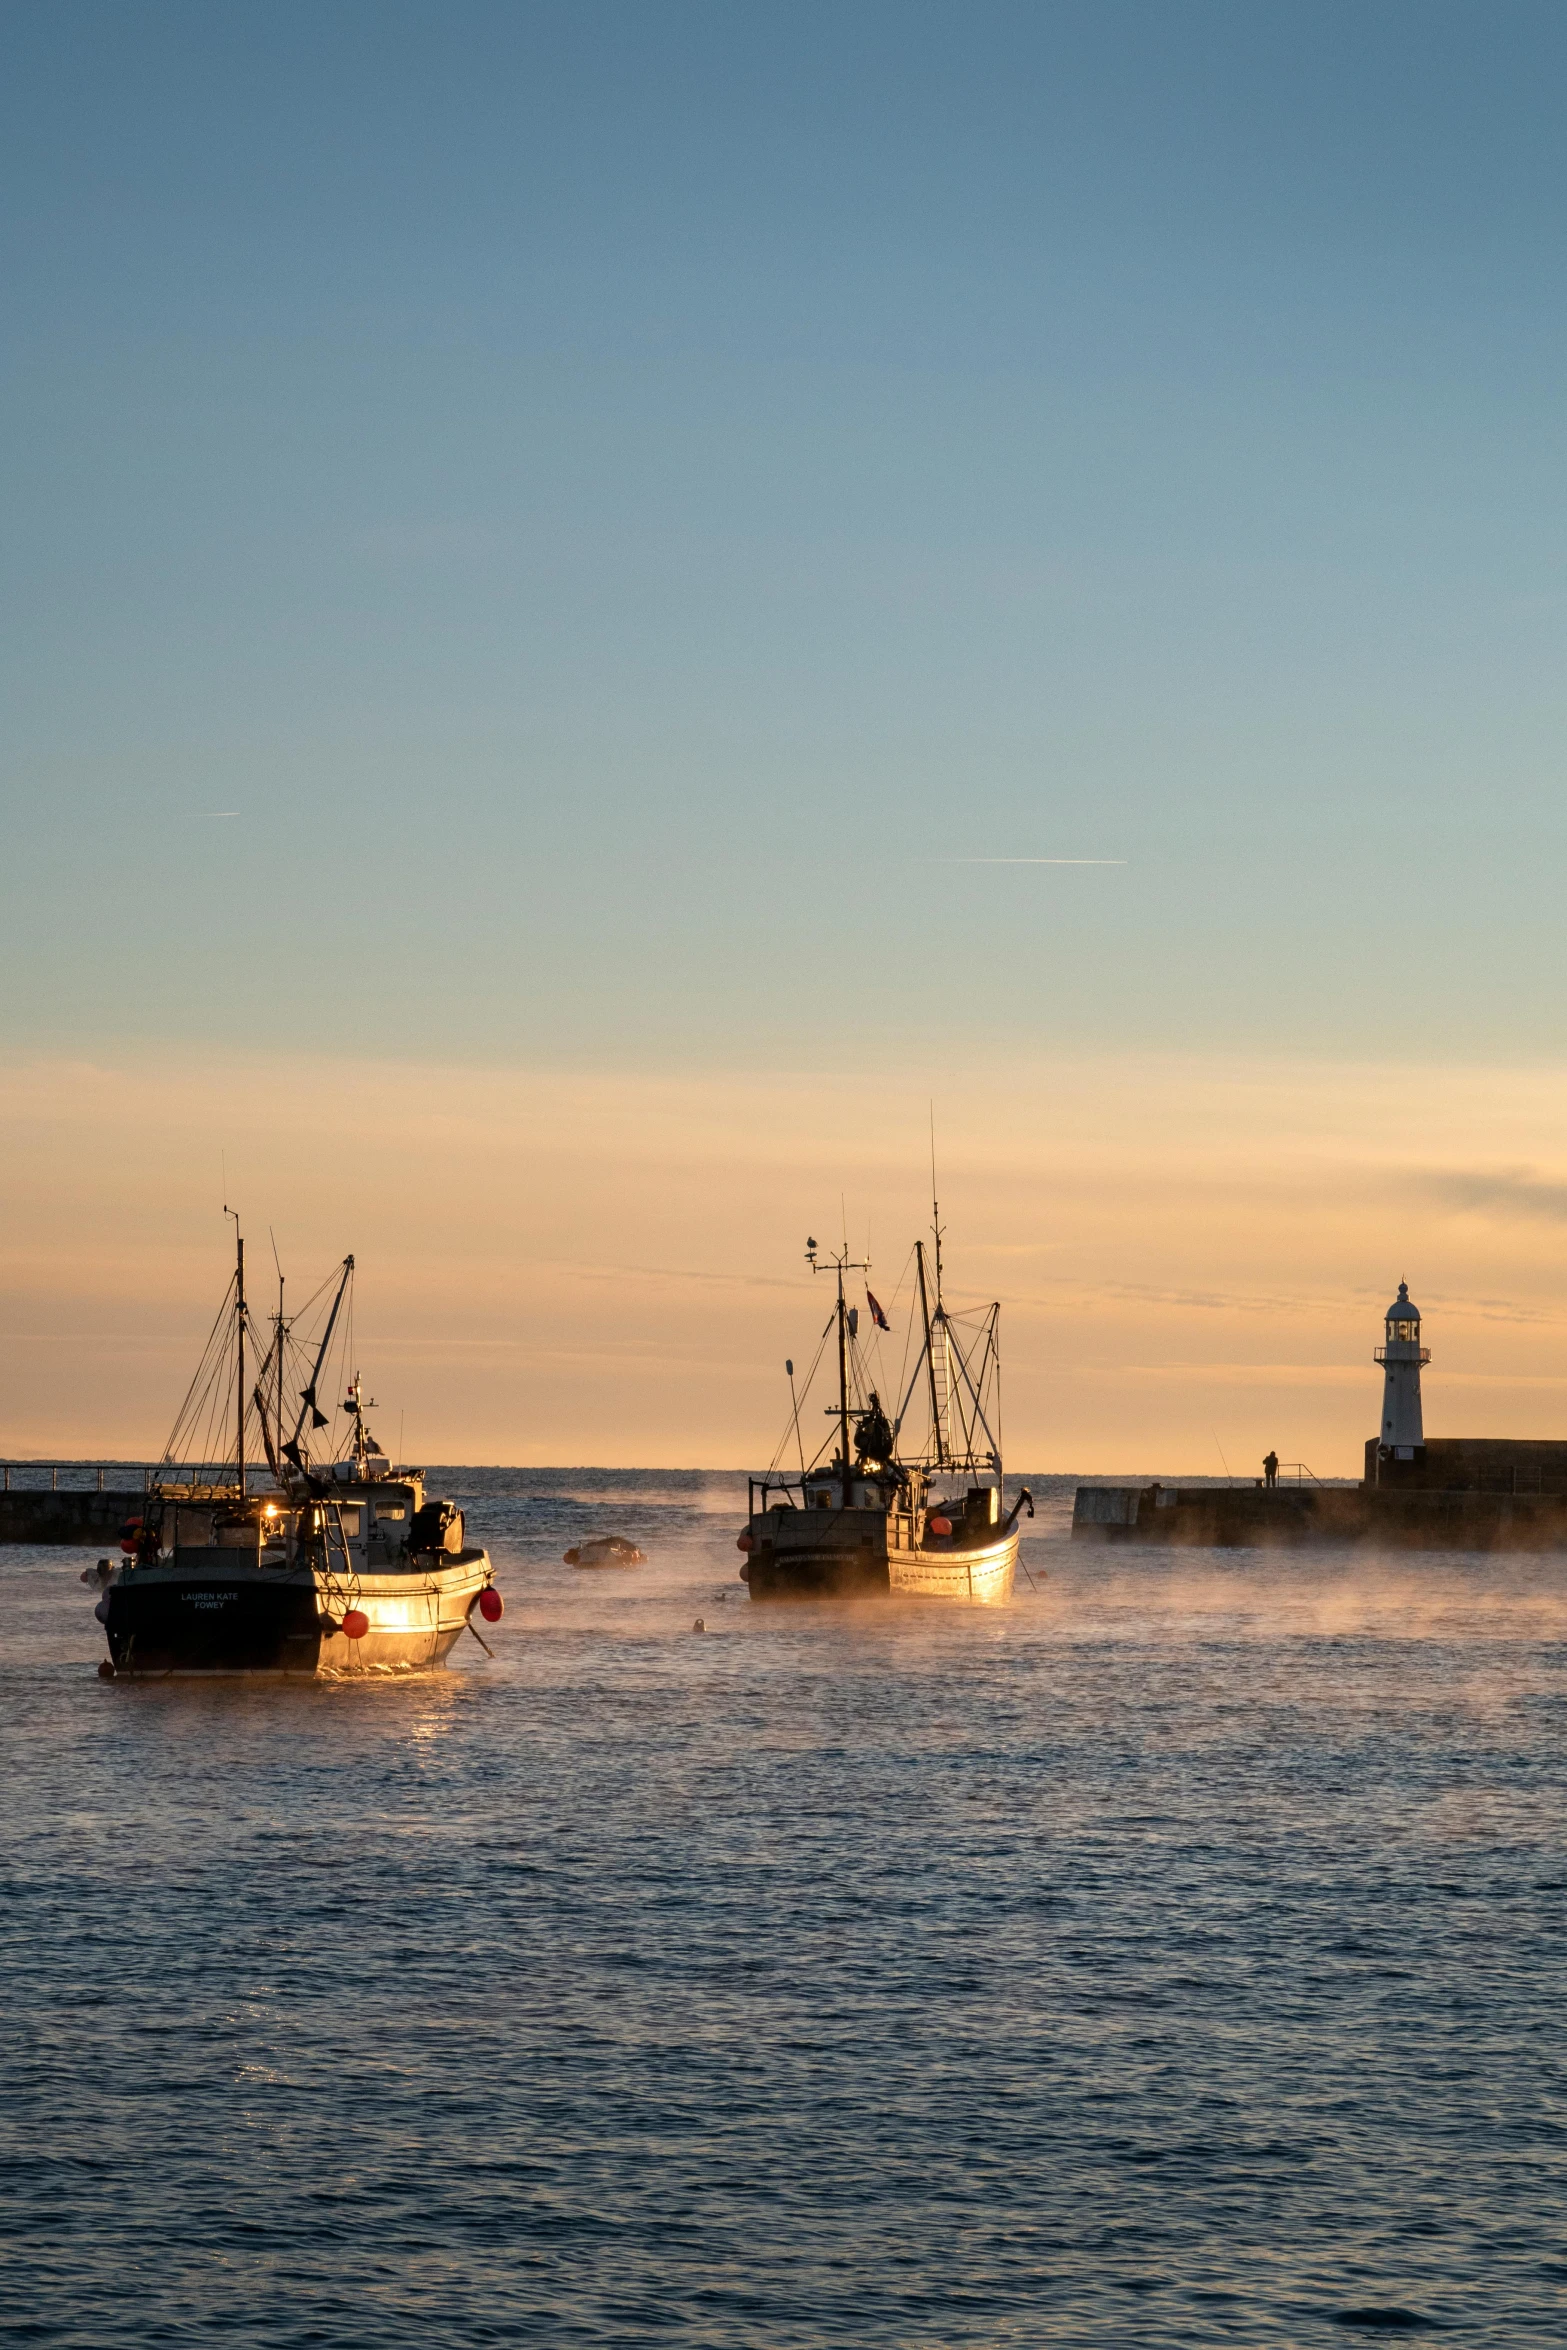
(355, 1624)
(491, 1605)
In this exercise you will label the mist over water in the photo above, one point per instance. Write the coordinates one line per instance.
(1172, 1957)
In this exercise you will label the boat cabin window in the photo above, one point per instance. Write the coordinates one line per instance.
(385, 1510)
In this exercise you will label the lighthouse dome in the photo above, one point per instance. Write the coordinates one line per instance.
(1402, 1309)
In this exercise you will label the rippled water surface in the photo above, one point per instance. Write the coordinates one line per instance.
(1173, 1957)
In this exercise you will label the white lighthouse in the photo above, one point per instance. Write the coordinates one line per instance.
(1401, 1358)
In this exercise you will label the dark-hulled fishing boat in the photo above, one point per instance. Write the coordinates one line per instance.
(326, 1562)
(924, 1518)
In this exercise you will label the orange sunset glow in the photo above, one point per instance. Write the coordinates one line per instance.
(1193, 1257)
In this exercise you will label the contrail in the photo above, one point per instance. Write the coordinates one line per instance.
(1026, 860)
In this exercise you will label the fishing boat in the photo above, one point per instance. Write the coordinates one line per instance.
(899, 1509)
(330, 1559)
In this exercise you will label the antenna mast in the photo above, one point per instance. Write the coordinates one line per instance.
(935, 1210)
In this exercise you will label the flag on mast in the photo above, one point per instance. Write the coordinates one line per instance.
(877, 1316)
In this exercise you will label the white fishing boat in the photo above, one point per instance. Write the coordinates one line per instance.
(899, 1509)
(325, 1560)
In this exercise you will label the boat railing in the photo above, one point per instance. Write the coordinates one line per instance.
(761, 1490)
(766, 1492)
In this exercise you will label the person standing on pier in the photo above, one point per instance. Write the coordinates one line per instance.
(1270, 1468)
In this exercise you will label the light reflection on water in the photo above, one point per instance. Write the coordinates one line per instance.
(1173, 1957)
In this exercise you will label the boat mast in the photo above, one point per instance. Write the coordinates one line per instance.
(937, 1418)
(936, 1323)
(280, 1327)
(239, 1354)
(841, 1263)
(308, 1394)
(843, 1385)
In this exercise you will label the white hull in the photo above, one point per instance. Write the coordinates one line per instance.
(982, 1577)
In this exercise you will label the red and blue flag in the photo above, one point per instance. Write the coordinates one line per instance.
(877, 1316)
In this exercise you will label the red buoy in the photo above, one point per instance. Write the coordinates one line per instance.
(128, 1535)
(355, 1624)
(746, 1542)
(105, 1669)
(491, 1605)
(939, 1525)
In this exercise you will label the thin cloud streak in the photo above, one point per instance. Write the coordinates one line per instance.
(1027, 860)
(1504, 1192)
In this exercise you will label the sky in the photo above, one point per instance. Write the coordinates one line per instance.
(603, 607)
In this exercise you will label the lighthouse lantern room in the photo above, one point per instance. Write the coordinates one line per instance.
(1401, 1357)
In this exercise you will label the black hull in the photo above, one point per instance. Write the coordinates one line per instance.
(244, 1622)
(243, 1627)
(818, 1574)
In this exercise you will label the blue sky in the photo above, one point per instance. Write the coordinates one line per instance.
(613, 499)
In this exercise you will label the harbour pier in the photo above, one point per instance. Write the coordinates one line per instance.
(74, 1504)
(1417, 1493)
(1260, 1517)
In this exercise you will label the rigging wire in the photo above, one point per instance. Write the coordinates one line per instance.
(783, 1441)
(200, 1444)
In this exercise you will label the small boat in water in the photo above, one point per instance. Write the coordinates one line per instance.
(346, 1567)
(911, 1518)
(606, 1550)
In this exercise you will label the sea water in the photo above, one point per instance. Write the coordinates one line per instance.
(1175, 1956)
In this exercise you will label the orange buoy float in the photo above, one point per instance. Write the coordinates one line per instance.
(491, 1605)
(355, 1624)
(939, 1525)
(746, 1542)
(130, 1534)
(570, 1557)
